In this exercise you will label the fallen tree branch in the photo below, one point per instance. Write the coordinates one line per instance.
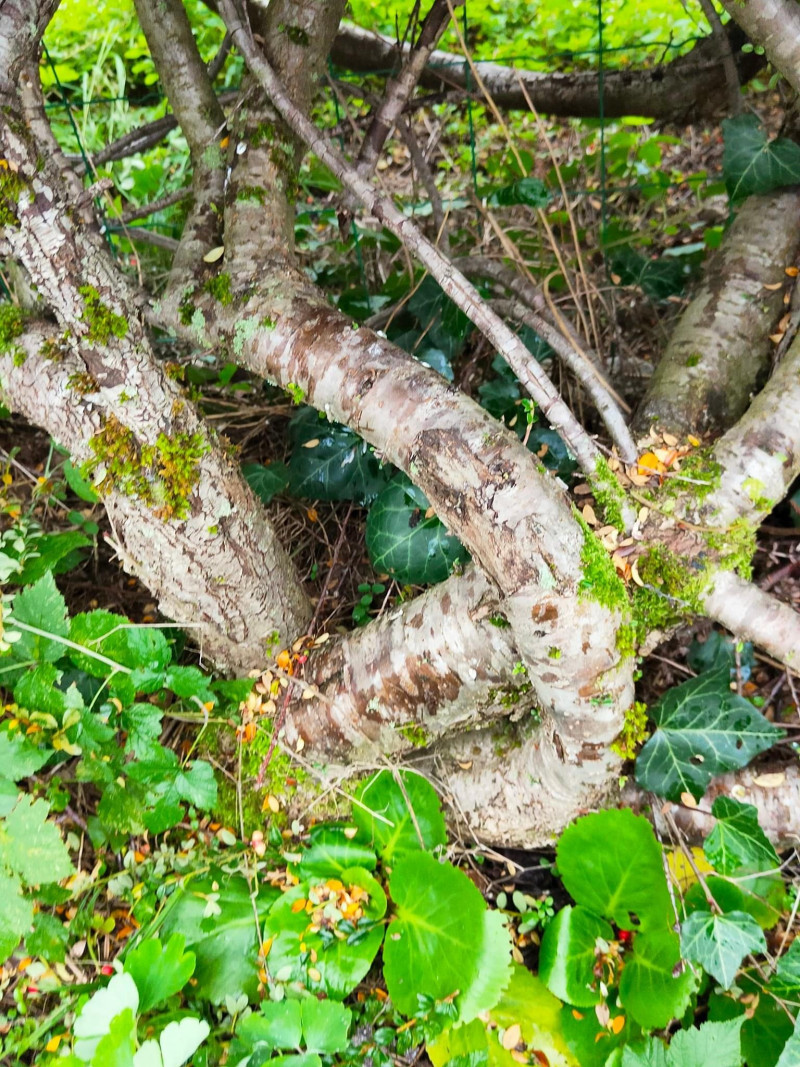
(775, 24)
(750, 613)
(685, 90)
(454, 284)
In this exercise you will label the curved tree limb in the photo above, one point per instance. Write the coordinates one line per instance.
(775, 24)
(720, 346)
(687, 89)
(750, 613)
(463, 294)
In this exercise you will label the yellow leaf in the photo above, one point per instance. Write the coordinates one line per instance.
(512, 1037)
(792, 271)
(214, 254)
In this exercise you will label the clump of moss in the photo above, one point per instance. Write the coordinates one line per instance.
(53, 349)
(102, 321)
(735, 547)
(263, 134)
(699, 473)
(256, 193)
(82, 383)
(634, 732)
(220, 288)
(12, 326)
(11, 186)
(608, 494)
(415, 733)
(297, 35)
(161, 475)
(600, 580)
(186, 307)
(671, 592)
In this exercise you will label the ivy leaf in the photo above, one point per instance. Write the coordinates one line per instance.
(437, 360)
(278, 1024)
(325, 1025)
(737, 840)
(176, 1043)
(569, 954)
(40, 605)
(611, 863)
(217, 919)
(433, 944)
(719, 943)
(266, 482)
(657, 278)
(94, 1022)
(653, 988)
(403, 542)
(331, 462)
(550, 447)
(30, 846)
(751, 163)
(395, 809)
(766, 1027)
(705, 730)
(159, 971)
(530, 191)
(444, 323)
(717, 651)
(785, 983)
(332, 850)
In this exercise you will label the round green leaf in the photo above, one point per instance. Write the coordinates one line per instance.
(653, 988)
(399, 811)
(402, 542)
(610, 862)
(331, 851)
(569, 953)
(433, 945)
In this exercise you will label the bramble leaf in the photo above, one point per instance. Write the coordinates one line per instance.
(42, 606)
(30, 846)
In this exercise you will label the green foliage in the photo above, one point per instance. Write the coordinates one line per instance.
(704, 730)
(752, 164)
(331, 462)
(406, 540)
(102, 321)
(657, 278)
(737, 842)
(529, 191)
(719, 943)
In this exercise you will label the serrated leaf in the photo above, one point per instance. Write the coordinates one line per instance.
(116, 638)
(569, 953)
(753, 164)
(331, 462)
(278, 1024)
(16, 914)
(159, 970)
(42, 606)
(653, 987)
(403, 542)
(266, 482)
(719, 943)
(225, 943)
(432, 944)
(30, 846)
(169, 783)
(19, 758)
(790, 1057)
(610, 862)
(40, 690)
(48, 939)
(142, 723)
(704, 730)
(97, 1014)
(176, 1043)
(330, 851)
(711, 1043)
(785, 983)
(55, 554)
(399, 811)
(530, 191)
(325, 1025)
(736, 840)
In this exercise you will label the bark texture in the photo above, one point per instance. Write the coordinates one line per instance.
(721, 346)
(775, 24)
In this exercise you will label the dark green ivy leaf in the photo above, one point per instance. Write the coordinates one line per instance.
(530, 191)
(704, 730)
(402, 542)
(737, 840)
(751, 163)
(657, 278)
(266, 482)
(331, 462)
